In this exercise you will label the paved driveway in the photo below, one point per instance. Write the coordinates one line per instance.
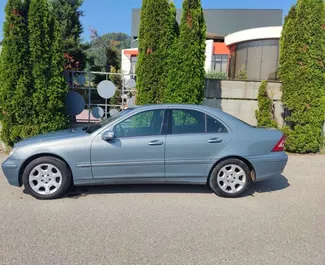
(279, 221)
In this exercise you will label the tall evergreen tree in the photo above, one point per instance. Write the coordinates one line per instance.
(57, 89)
(40, 58)
(68, 13)
(14, 73)
(47, 66)
(302, 73)
(186, 78)
(156, 36)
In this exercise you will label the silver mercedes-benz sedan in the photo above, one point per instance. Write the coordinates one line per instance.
(181, 144)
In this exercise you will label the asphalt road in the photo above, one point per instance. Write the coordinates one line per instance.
(279, 221)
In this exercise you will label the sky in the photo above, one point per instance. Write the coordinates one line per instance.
(115, 15)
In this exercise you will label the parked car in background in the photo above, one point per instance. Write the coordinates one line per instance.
(181, 144)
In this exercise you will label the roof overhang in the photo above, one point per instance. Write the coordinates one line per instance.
(131, 52)
(253, 34)
(214, 36)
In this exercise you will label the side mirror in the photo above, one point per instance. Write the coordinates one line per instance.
(108, 135)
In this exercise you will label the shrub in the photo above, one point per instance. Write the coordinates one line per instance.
(216, 75)
(265, 114)
(302, 73)
(241, 74)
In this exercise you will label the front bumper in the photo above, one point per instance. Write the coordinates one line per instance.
(10, 168)
(270, 165)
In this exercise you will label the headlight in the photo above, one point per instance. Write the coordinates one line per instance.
(13, 151)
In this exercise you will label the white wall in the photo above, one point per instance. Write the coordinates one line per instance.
(239, 98)
(208, 55)
(126, 59)
(126, 62)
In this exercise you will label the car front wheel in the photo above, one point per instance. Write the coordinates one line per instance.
(230, 178)
(46, 178)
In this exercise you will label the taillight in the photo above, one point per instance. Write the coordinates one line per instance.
(279, 147)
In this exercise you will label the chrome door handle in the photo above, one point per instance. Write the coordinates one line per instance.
(215, 140)
(156, 142)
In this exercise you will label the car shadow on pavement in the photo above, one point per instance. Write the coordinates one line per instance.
(269, 185)
(135, 188)
(275, 183)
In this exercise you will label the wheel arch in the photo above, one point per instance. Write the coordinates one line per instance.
(33, 157)
(249, 164)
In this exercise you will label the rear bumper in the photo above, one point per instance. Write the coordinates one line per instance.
(10, 169)
(270, 165)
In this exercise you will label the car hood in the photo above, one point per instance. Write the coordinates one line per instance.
(52, 136)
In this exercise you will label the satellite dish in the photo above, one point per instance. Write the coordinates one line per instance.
(81, 79)
(131, 102)
(74, 103)
(97, 112)
(112, 112)
(106, 89)
(130, 83)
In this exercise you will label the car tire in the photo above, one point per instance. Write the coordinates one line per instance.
(230, 178)
(46, 178)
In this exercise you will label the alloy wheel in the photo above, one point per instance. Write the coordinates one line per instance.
(45, 179)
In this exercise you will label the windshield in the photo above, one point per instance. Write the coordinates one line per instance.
(101, 124)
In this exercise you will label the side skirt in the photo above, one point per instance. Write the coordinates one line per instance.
(112, 181)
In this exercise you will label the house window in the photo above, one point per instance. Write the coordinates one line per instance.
(220, 63)
(134, 60)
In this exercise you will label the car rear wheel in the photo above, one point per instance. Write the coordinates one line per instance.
(46, 178)
(230, 178)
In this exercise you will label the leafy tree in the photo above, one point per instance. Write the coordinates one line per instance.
(68, 13)
(103, 53)
(156, 37)
(118, 40)
(264, 114)
(14, 74)
(46, 59)
(186, 77)
(302, 72)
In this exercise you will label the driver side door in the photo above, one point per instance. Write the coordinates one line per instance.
(137, 151)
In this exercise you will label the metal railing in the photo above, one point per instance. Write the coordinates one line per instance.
(86, 83)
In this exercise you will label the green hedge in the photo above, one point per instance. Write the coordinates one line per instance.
(302, 73)
(265, 113)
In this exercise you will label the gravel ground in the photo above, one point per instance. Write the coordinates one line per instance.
(278, 221)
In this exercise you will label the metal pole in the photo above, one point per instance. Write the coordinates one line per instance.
(89, 95)
(122, 92)
(106, 101)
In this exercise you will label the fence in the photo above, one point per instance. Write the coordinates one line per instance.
(96, 95)
(239, 98)
(89, 101)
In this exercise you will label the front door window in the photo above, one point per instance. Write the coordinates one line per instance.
(142, 124)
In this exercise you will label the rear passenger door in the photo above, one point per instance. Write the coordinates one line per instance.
(193, 140)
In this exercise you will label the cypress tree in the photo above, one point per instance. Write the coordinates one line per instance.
(46, 60)
(68, 13)
(40, 59)
(186, 78)
(264, 114)
(302, 73)
(156, 36)
(57, 89)
(14, 74)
